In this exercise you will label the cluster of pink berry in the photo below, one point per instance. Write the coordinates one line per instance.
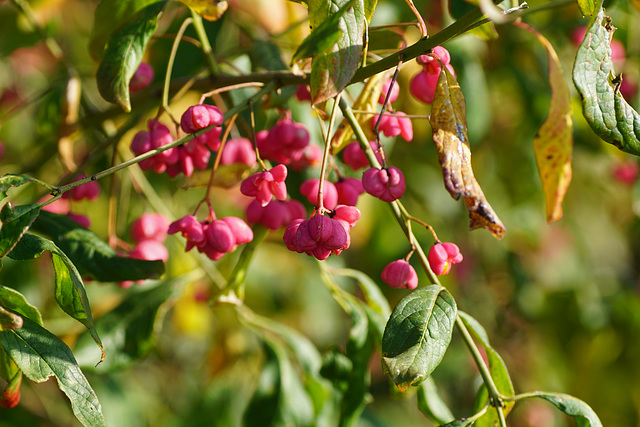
(284, 143)
(213, 237)
(149, 233)
(396, 124)
(320, 236)
(423, 85)
(194, 154)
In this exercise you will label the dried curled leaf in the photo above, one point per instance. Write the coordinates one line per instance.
(449, 125)
(553, 145)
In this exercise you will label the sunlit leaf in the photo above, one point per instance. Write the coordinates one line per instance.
(119, 12)
(553, 145)
(15, 222)
(431, 404)
(69, 287)
(15, 301)
(211, 10)
(332, 70)
(92, 256)
(40, 355)
(498, 370)
(603, 106)
(129, 331)
(587, 7)
(367, 101)
(418, 334)
(9, 180)
(124, 54)
(324, 36)
(449, 127)
(574, 407)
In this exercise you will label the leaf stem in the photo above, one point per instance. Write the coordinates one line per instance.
(206, 46)
(495, 397)
(172, 58)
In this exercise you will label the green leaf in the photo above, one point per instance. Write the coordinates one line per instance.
(431, 404)
(15, 222)
(40, 355)
(498, 370)
(280, 398)
(16, 302)
(93, 257)
(574, 407)
(418, 334)
(69, 288)
(604, 108)
(129, 331)
(323, 37)
(119, 12)
(587, 7)
(332, 70)
(124, 54)
(9, 180)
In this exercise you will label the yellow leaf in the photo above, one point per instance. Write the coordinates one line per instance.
(367, 101)
(553, 145)
(211, 10)
(449, 126)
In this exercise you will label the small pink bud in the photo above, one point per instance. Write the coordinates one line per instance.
(442, 256)
(190, 228)
(219, 236)
(386, 184)
(150, 226)
(400, 274)
(263, 185)
(238, 150)
(395, 91)
(141, 78)
(309, 189)
(150, 250)
(355, 158)
(200, 116)
(348, 190)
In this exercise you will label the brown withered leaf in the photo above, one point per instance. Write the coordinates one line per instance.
(449, 125)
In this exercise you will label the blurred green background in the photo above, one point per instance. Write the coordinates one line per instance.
(560, 301)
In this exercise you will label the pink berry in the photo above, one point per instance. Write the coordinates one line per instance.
(319, 236)
(303, 93)
(220, 236)
(442, 256)
(241, 231)
(238, 150)
(423, 86)
(290, 236)
(141, 78)
(150, 250)
(349, 215)
(348, 190)
(284, 143)
(386, 184)
(354, 157)
(80, 219)
(263, 185)
(400, 274)
(90, 190)
(395, 91)
(150, 226)
(310, 187)
(191, 229)
(626, 172)
(200, 116)
(431, 61)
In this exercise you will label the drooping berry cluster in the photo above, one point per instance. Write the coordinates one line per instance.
(320, 236)
(213, 237)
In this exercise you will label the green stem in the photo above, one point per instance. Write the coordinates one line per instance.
(495, 397)
(206, 46)
(172, 58)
